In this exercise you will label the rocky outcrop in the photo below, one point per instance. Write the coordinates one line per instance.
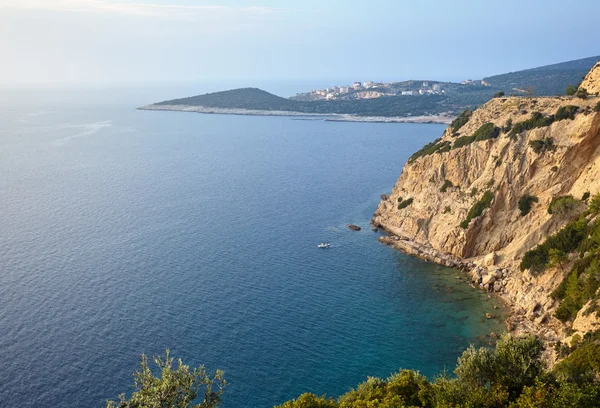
(591, 82)
(445, 186)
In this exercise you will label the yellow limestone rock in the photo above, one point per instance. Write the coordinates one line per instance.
(591, 82)
(508, 168)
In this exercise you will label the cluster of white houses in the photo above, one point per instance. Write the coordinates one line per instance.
(370, 89)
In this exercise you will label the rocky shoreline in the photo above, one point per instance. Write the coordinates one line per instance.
(439, 119)
(528, 317)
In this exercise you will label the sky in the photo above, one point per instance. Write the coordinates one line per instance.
(164, 41)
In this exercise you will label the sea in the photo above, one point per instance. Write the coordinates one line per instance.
(125, 232)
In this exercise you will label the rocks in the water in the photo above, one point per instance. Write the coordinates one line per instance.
(489, 315)
(384, 197)
(354, 227)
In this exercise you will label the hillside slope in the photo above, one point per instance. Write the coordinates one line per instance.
(548, 80)
(457, 201)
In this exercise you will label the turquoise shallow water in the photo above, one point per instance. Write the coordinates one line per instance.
(128, 232)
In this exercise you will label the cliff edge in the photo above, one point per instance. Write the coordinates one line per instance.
(499, 182)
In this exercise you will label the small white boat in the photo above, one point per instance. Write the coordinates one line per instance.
(324, 245)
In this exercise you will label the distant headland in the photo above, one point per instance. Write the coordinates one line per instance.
(420, 101)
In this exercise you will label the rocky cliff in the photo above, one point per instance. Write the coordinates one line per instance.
(591, 82)
(457, 200)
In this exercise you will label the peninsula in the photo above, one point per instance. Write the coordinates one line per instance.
(421, 101)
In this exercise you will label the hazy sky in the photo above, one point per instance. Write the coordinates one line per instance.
(117, 41)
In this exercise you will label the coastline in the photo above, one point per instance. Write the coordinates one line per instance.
(333, 117)
(519, 320)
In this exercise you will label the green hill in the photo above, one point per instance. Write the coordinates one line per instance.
(547, 80)
(242, 98)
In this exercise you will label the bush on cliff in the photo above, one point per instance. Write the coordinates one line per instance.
(594, 205)
(404, 203)
(485, 132)
(537, 120)
(478, 208)
(542, 145)
(461, 120)
(582, 93)
(562, 205)
(566, 112)
(525, 203)
(571, 90)
(566, 240)
(437, 146)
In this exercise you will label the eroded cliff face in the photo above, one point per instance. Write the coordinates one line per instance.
(492, 245)
(591, 82)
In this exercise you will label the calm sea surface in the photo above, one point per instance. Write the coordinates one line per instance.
(125, 232)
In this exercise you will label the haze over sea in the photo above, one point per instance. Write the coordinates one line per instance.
(128, 232)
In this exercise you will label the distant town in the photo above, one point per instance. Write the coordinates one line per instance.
(371, 90)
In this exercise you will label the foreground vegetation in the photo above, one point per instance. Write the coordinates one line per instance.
(511, 375)
(578, 240)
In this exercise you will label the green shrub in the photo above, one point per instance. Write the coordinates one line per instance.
(566, 112)
(446, 185)
(526, 202)
(597, 107)
(399, 199)
(566, 240)
(499, 94)
(308, 400)
(510, 375)
(461, 120)
(437, 146)
(585, 196)
(578, 269)
(562, 204)
(478, 208)
(542, 145)
(447, 209)
(507, 126)
(594, 204)
(571, 90)
(463, 141)
(537, 120)
(582, 93)
(584, 360)
(405, 203)
(486, 131)
(172, 386)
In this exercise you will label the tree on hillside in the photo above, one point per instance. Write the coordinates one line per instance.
(176, 387)
(594, 204)
(571, 90)
(556, 257)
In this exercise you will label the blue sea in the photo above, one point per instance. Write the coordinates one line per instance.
(126, 232)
